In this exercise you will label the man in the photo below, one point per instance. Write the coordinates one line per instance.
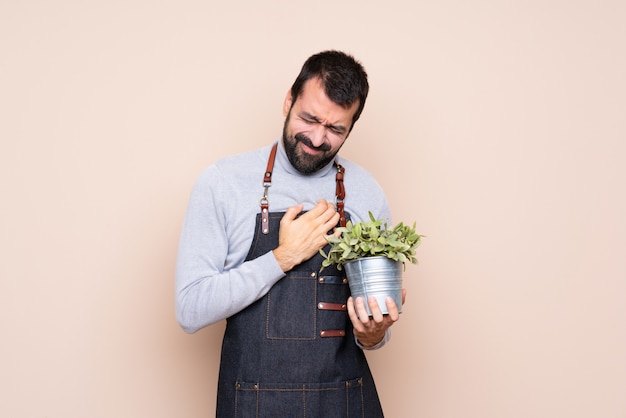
(249, 253)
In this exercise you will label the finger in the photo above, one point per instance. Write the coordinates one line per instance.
(331, 223)
(392, 308)
(322, 214)
(403, 295)
(326, 217)
(361, 311)
(292, 212)
(377, 314)
(318, 209)
(351, 309)
(354, 317)
(329, 216)
(330, 207)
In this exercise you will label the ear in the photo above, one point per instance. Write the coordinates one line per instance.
(287, 103)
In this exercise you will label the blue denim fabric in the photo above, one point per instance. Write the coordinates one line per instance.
(275, 363)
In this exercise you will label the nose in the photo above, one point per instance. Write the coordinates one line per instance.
(318, 135)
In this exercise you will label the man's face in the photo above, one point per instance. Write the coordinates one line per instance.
(315, 127)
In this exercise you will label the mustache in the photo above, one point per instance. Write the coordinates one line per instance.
(307, 141)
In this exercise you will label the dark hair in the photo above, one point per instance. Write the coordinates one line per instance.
(343, 77)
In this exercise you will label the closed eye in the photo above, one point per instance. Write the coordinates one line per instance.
(310, 120)
(337, 130)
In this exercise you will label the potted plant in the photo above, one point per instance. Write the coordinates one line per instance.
(374, 256)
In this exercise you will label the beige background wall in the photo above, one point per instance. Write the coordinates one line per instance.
(498, 126)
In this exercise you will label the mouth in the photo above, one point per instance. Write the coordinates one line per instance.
(308, 147)
(310, 150)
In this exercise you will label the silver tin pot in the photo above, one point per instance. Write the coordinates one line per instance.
(375, 276)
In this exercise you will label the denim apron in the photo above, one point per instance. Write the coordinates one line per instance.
(292, 353)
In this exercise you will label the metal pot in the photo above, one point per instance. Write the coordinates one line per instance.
(375, 276)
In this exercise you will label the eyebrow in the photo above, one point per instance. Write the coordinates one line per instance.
(338, 128)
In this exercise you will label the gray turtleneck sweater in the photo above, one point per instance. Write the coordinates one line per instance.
(213, 281)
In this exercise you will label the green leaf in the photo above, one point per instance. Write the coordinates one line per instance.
(371, 238)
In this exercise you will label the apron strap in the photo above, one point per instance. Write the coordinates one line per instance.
(267, 182)
(340, 193)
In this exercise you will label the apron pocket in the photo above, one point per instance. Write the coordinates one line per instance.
(326, 400)
(291, 309)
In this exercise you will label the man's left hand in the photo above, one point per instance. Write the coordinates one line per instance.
(370, 330)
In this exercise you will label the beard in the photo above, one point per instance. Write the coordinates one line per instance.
(302, 161)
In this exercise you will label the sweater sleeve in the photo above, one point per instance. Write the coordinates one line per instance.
(207, 289)
(382, 342)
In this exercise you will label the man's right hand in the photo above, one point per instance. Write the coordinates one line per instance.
(300, 239)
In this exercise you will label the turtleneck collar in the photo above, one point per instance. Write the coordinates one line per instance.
(283, 162)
